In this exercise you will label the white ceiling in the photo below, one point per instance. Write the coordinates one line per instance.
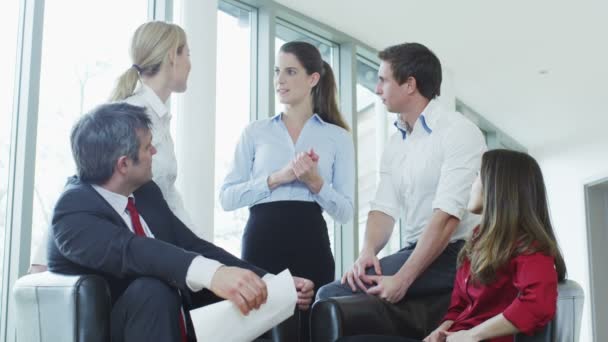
(538, 70)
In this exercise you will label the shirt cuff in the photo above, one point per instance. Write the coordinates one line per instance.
(392, 212)
(449, 207)
(323, 195)
(260, 185)
(201, 272)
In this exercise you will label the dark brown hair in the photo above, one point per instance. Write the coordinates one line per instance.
(417, 61)
(324, 97)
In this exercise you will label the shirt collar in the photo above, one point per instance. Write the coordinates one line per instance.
(426, 120)
(117, 201)
(315, 116)
(157, 105)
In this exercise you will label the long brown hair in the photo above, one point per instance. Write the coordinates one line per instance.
(515, 216)
(324, 98)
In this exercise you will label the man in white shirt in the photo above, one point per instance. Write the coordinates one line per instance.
(112, 220)
(426, 173)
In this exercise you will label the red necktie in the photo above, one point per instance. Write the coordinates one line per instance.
(138, 229)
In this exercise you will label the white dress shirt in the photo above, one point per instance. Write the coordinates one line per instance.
(164, 162)
(433, 167)
(201, 270)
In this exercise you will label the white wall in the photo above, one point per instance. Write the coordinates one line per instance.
(567, 170)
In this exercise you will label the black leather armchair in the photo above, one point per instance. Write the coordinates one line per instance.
(76, 308)
(338, 317)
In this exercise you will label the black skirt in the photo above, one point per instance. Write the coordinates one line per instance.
(289, 234)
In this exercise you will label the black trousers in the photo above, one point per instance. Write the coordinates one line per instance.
(376, 338)
(437, 278)
(293, 235)
(148, 310)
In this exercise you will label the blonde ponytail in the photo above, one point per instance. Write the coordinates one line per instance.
(125, 85)
(151, 46)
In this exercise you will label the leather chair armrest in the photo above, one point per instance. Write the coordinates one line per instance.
(56, 307)
(569, 313)
(566, 324)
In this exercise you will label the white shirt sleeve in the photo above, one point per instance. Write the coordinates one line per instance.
(387, 198)
(239, 189)
(463, 147)
(338, 199)
(201, 272)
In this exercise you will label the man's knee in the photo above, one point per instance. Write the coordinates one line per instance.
(153, 293)
(334, 289)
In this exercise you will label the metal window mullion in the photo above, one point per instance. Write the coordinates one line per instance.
(255, 61)
(160, 10)
(22, 158)
(266, 32)
(347, 70)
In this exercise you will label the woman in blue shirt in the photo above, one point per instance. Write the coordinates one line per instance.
(289, 168)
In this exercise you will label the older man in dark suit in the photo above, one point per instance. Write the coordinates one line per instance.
(112, 220)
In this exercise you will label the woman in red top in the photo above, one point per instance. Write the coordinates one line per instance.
(508, 271)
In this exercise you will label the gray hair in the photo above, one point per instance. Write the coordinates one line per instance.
(105, 134)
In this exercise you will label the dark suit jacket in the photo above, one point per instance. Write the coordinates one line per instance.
(89, 237)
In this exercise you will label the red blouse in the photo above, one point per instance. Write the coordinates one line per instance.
(524, 291)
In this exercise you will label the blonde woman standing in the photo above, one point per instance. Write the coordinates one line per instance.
(161, 64)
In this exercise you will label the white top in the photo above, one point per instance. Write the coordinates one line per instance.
(431, 168)
(201, 270)
(164, 162)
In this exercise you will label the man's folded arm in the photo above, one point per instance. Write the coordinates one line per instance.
(189, 241)
(94, 242)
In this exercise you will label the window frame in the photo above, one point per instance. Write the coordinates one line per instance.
(22, 155)
(266, 15)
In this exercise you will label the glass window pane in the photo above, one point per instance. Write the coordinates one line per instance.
(374, 126)
(284, 35)
(233, 110)
(8, 39)
(82, 56)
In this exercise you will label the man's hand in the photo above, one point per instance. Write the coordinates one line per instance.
(305, 289)
(461, 336)
(356, 276)
(242, 287)
(390, 288)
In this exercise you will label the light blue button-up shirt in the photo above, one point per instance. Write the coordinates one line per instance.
(265, 147)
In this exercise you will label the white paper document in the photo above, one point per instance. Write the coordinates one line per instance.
(224, 322)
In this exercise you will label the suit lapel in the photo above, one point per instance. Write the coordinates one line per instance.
(105, 206)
